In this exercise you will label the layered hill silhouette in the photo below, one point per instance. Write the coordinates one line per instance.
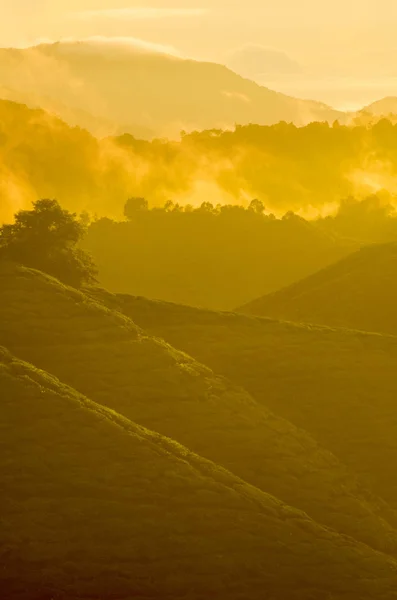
(205, 259)
(75, 117)
(159, 92)
(43, 157)
(384, 107)
(103, 354)
(339, 385)
(358, 292)
(94, 505)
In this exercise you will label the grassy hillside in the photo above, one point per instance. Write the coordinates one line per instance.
(358, 292)
(104, 355)
(161, 93)
(339, 385)
(93, 506)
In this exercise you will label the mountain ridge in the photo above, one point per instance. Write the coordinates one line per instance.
(224, 97)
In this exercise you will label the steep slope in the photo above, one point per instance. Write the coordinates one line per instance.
(104, 355)
(93, 506)
(358, 292)
(340, 385)
(125, 86)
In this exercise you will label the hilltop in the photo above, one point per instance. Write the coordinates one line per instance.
(384, 107)
(339, 385)
(93, 505)
(101, 353)
(358, 292)
(161, 93)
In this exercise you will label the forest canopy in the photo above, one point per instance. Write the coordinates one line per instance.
(307, 170)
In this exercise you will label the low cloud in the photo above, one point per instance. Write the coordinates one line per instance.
(117, 43)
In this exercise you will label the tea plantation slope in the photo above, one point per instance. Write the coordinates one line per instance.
(101, 353)
(339, 385)
(94, 506)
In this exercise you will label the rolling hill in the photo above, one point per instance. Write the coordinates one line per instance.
(93, 505)
(339, 385)
(104, 355)
(358, 292)
(210, 260)
(384, 107)
(158, 92)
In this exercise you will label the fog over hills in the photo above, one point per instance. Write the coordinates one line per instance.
(198, 324)
(126, 85)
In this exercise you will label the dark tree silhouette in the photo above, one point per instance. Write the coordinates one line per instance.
(46, 238)
(134, 205)
(257, 206)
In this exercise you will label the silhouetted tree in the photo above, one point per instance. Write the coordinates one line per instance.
(133, 206)
(257, 206)
(46, 238)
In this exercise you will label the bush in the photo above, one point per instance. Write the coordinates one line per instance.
(46, 238)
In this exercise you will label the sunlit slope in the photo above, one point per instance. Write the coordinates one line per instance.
(358, 292)
(93, 506)
(340, 385)
(156, 91)
(105, 356)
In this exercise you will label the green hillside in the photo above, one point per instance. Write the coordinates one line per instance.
(339, 385)
(358, 292)
(94, 506)
(102, 354)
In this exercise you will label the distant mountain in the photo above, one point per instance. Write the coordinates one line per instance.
(358, 292)
(253, 60)
(383, 107)
(160, 93)
(95, 506)
(75, 117)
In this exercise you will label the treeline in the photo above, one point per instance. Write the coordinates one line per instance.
(211, 256)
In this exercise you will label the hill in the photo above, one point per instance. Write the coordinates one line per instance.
(207, 258)
(358, 292)
(95, 506)
(122, 85)
(384, 107)
(74, 117)
(339, 385)
(104, 355)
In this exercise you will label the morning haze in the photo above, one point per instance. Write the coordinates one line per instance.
(198, 334)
